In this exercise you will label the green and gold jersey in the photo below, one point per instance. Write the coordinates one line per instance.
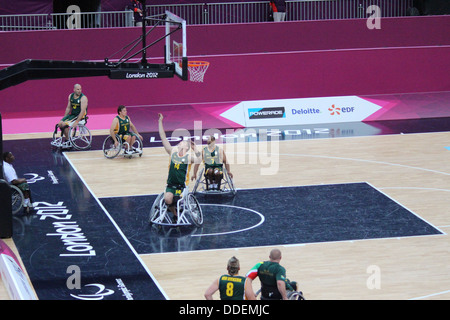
(232, 287)
(179, 168)
(75, 105)
(123, 127)
(212, 159)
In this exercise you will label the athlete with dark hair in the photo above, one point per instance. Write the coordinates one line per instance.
(121, 125)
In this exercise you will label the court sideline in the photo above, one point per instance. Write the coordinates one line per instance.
(411, 169)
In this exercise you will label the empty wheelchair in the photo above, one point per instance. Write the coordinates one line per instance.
(226, 184)
(111, 151)
(80, 137)
(188, 211)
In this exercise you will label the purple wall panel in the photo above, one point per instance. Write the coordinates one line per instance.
(96, 44)
(256, 77)
(260, 73)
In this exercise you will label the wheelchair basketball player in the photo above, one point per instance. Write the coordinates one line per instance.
(181, 158)
(214, 159)
(76, 111)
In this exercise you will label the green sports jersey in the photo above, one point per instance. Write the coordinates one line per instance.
(179, 168)
(123, 126)
(75, 105)
(231, 287)
(212, 159)
(269, 273)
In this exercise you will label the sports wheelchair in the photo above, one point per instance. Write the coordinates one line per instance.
(291, 294)
(111, 151)
(226, 184)
(79, 136)
(17, 198)
(188, 211)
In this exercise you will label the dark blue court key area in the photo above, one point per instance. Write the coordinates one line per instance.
(70, 247)
(272, 216)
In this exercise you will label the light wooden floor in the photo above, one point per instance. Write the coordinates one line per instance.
(413, 169)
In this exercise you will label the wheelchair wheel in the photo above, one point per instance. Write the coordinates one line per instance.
(195, 211)
(230, 182)
(198, 181)
(295, 295)
(138, 145)
(80, 137)
(155, 209)
(17, 199)
(109, 150)
(57, 139)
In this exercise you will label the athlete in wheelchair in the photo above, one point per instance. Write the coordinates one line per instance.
(74, 132)
(121, 138)
(20, 190)
(216, 176)
(274, 284)
(177, 206)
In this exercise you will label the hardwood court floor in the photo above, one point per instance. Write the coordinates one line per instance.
(412, 169)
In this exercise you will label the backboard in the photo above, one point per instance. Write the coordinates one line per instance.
(176, 45)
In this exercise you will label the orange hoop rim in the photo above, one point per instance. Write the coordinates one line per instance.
(198, 63)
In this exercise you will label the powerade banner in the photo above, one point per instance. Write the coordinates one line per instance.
(301, 111)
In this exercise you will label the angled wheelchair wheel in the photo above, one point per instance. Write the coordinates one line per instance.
(229, 184)
(57, 139)
(138, 146)
(17, 199)
(155, 210)
(195, 212)
(109, 150)
(199, 182)
(80, 137)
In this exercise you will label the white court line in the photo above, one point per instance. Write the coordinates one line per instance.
(306, 156)
(431, 295)
(118, 229)
(364, 160)
(235, 231)
(401, 205)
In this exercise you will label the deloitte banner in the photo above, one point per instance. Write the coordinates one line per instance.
(301, 111)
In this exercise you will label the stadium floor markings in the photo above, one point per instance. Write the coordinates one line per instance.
(262, 252)
(339, 270)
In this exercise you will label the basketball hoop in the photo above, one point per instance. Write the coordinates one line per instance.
(197, 70)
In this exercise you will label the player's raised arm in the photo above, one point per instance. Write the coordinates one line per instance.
(162, 134)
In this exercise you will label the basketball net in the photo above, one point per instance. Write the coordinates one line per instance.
(197, 70)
